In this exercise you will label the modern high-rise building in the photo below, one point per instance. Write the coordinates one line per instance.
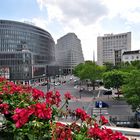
(26, 51)
(69, 52)
(109, 47)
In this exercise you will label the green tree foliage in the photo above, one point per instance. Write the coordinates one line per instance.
(78, 69)
(114, 79)
(131, 89)
(136, 64)
(89, 70)
(109, 66)
(129, 66)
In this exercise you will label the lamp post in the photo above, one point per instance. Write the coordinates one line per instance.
(54, 83)
(60, 75)
(80, 90)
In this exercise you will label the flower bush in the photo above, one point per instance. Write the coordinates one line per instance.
(29, 114)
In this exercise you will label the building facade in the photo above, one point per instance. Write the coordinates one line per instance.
(25, 51)
(110, 45)
(69, 52)
(129, 56)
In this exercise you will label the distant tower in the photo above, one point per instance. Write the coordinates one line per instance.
(110, 45)
(93, 56)
(69, 52)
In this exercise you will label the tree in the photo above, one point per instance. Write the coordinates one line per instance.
(124, 66)
(109, 66)
(89, 70)
(114, 79)
(78, 69)
(131, 89)
(136, 64)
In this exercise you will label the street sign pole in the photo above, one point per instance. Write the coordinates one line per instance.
(100, 106)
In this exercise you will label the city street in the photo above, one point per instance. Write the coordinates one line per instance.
(118, 109)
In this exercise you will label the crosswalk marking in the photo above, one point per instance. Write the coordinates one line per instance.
(98, 111)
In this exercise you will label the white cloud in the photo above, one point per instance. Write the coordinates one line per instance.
(41, 3)
(84, 18)
(86, 11)
(127, 9)
(132, 17)
(40, 22)
(78, 16)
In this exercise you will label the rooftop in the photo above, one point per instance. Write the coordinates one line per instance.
(131, 52)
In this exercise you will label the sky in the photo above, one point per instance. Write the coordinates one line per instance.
(88, 19)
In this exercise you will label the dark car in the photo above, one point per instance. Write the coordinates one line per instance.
(137, 115)
(108, 92)
(44, 84)
(100, 104)
(81, 89)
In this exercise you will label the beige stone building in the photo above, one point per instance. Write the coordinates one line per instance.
(109, 44)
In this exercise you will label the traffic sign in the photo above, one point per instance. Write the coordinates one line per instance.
(100, 104)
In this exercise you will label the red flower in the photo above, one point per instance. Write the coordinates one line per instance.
(5, 89)
(59, 124)
(67, 96)
(42, 112)
(53, 98)
(94, 132)
(103, 120)
(81, 114)
(19, 95)
(4, 108)
(14, 88)
(2, 79)
(21, 117)
(119, 136)
(63, 132)
(37, 93)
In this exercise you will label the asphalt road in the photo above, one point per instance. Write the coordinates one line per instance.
(118, 109)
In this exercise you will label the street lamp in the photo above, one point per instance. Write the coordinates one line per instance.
(60, 74)
(54, 82)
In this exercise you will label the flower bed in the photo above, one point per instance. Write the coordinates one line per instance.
(32, 115)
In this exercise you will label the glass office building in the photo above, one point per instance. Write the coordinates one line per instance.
(26, 51)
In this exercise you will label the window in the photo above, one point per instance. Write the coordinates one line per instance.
(126, 57)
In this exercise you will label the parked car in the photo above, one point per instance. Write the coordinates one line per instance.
(57, 84)
(81, 89)
(97, 104)
(107, 92)
(44, 84)
(137, 115)
(71, 78)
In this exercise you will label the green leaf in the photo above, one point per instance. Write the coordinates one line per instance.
(80, 137)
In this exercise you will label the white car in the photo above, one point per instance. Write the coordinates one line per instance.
(57, 84)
